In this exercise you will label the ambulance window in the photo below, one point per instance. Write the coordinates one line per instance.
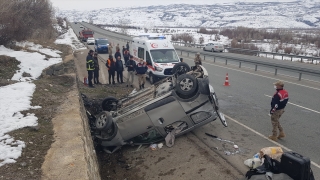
(148, 59)
(141, 52)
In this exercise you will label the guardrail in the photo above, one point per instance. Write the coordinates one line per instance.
(257, 52)
(299, 70)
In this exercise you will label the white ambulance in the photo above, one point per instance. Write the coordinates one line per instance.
(158, 53)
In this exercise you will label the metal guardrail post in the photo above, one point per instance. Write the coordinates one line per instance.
(273, 57)
(239, 64)
(226, 61)
(256, 68)
(291, 58)
(282, 57)
(301, 59)
(188, 54)
(204, 57)
(181, 53)
(275, 72)
(214, 59)
(300, 74)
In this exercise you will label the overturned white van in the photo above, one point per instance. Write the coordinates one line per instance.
(159, 54)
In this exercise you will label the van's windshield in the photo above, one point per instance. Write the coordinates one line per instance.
(164, 56)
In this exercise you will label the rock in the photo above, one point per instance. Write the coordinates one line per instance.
(50, 85)
(49, 71)
(24, 74)
(31, 172)
(34, 128)
(46, 90)
(23, 164)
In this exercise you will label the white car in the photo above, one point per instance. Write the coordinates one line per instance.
(90, 40)
(214, 47)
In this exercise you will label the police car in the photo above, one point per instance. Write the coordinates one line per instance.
(158, 53)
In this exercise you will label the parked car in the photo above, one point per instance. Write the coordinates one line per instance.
(101, 45)
(214, 47)
(90, 40)
(186, 101)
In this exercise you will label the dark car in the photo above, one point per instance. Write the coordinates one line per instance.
(101, 45)
(186, 101)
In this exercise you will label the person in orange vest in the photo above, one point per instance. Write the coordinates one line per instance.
(111, 65)
(278, 103)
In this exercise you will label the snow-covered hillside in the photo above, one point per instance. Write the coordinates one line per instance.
(298, 14)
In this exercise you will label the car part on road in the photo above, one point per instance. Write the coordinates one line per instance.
(152, 78)
(216, 137)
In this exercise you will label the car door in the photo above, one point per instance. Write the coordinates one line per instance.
(165, 112)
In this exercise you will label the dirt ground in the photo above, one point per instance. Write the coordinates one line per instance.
(49, 94)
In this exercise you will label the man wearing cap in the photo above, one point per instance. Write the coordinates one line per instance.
(131, 65)
(197, 59)
(90, 67)
(278, 103)
(141, 70)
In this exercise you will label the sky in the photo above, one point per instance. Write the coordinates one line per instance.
(99, 4)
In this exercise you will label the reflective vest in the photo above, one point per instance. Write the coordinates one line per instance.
(90, 65)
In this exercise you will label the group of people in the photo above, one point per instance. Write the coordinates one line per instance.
(116, 67)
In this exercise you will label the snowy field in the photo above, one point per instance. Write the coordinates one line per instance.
(17, 97)
(266, 45)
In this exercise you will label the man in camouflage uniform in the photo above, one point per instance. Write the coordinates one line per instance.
(278, 103)
(197, 60)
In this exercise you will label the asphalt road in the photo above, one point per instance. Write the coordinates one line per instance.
(246, 102)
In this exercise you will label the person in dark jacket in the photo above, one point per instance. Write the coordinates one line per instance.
(90, 67)
(117, 54)
(123, 49)
(119, 70)
(96, 69)
(131, 65)
(111, 69)
(126, 55)
(127, 46)
(141, 70)
(278, 103)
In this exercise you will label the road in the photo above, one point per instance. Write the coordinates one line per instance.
(246, 102)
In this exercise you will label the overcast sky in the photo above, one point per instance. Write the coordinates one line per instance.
(99, 4)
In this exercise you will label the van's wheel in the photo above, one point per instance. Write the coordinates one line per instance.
(104, 121)
(180, 68)
(152, 78)
(212, 50)
(186, 85)
(109, 104)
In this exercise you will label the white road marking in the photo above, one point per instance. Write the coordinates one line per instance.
(299, 106)
(260, 75)
(264, 137)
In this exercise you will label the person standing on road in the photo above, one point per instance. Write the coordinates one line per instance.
(197, 59)
(117, 47)
(278, 103)
(127, 46)
(111, 68)
(126, 56)
(90, 67)
(117, 54)
(119, 69)
(110, 49)
(123, 49)
(131, 65)
(141, 70)
(96, 69)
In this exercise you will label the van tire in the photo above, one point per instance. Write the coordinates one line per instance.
(104, 121)
(107, 104)
(212, 50)
(152, 78)
(181, 66)
(186, 85)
